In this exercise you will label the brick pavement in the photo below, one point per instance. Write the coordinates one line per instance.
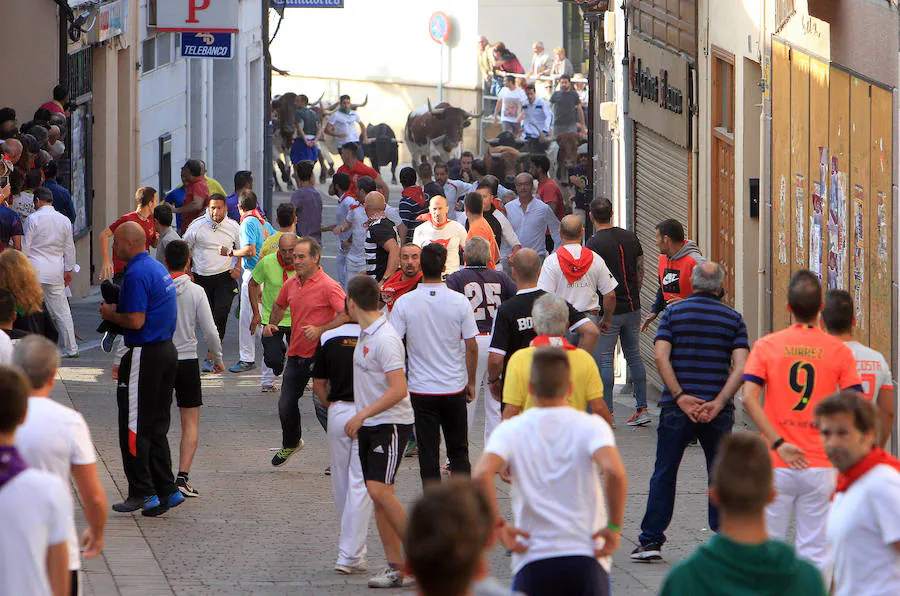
(260, 530)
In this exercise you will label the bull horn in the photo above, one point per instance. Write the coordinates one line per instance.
(435, 111)
(478, 115)
(439, 139)
(318, 101)
(356, 106)
(333, 107)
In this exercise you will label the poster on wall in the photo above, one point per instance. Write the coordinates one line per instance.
(837, 226)
(782, 223)
(817, 217)
(859, 256)
(800, 220)
(79, 166)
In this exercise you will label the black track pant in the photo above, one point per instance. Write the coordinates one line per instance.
(435, 413)
(219, 290)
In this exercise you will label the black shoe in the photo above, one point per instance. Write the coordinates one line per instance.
(153, 507)
(128, 505)
(106, 344)
(647, 553)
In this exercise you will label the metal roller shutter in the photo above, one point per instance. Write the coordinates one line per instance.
(661, 191)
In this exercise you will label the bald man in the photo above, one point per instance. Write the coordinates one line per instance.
(447, 232)
(12, 150)
(382, 240)
(147, 311)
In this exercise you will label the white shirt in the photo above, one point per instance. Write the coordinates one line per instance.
(346, 129)
(511, 102)
(456, 190)
(556, 493)
(378, 352)
(541, 64)
(862, 526)
(6, 348)
(583, 292)
(205, 237)
(538, 118)
(873, 370)
(508, 237)
(358, 218)
(48, 244)
(531, 224)
(433, 318)
(451, 236)
(54, 438)
(347, 201)
(35, 513)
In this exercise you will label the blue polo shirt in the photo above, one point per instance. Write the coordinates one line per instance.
(703, 332)
(176, 199)
(148, 288)
(252, 233)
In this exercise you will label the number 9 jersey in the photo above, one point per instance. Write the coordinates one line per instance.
(798, 367)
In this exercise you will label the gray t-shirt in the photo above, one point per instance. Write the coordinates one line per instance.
(164, 240)
(564, 105)
(308, 120)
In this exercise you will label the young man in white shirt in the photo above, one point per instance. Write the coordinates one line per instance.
(346, 126)
(49, 246)
(863, 524)
(537, 115)
(35, 507)
(531, 219)
(440, 230)
(442, 370)
(383, 420)
(878, 386)
(56, 439)
(193, 310)
(509, 106)
(557, 455)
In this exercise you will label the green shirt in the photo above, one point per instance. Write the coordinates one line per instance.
(269, 274)
(723, 566)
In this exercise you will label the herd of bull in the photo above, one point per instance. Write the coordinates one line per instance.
(433, 134)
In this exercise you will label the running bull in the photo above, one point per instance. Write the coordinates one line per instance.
(436, 132)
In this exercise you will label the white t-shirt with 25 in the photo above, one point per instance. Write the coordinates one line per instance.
(556, 491)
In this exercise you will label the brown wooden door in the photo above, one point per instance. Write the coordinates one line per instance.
(723, 212)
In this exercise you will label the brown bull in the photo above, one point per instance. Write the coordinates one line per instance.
(436, 131)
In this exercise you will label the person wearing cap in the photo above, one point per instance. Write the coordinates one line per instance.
(197, 193)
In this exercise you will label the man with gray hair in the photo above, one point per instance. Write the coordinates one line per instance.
(701, 347)
(531, 219)
(486, 290)
(551, 319)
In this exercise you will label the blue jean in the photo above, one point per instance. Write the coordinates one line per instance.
(673, 434)
(627, 329)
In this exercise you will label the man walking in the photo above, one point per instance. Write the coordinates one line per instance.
(382, 241)
(509, 105)
(197, 194)
(878, 386)
(677, 259)
(49, 246)
(147, 312)
(269, 276)
(443, 231)
(340, 187)
(383, 420)
(696, 400)
(162, 223)
(567, 113)
(477, 225)
(216, 273)
(316, 303)
(333, 386)
(442, 369)
(566, 547)
(308, 201)
(621, 251)
(863, 528)
(531, 219)
(730, 561)
(62, 199)
(405, 279)
(547, 189)
(486, 289)
(798, 367)
(56, 439)
(193, 310)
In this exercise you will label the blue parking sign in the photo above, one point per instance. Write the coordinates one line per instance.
(207, 45)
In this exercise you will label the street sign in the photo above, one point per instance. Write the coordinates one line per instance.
(207, 45)
(197, 16)
(439, 27)
(306, 3)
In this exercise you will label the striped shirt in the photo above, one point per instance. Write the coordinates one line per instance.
(377, 234)
(703, 332)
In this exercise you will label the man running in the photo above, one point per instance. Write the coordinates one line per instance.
(193, 310)
(478, 226)
(382, 241)
(486, 290)
(356, 169)
(798, 367)
(383, 420)
(404, 280)
(441, 230)
(677, 259)
(562, 539)
(340, 187)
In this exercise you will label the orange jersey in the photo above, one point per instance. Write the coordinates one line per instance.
(799, 366)
(482, 228)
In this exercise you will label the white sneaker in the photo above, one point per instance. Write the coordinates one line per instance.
(390, 578)
(361, 567)
(640, 418)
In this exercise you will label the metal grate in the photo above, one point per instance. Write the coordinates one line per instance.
(80, 69)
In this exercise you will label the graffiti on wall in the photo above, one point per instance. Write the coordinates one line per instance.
(859, 256)
(782, 222)
(837, 226)
(800, 220)
(817, 217)
(881, 232)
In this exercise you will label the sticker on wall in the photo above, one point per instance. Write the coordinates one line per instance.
(837, 226)
(782, 222)
(859, 256)
(817, 217)
(881, 232)
(800, 220)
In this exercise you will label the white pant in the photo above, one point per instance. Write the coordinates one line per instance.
(247, 340)
(268, 375)
(59, 311)
(806, 494)
(355, 266)
(354, 507)
(483, 392)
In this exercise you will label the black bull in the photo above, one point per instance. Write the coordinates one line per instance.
(382, 148)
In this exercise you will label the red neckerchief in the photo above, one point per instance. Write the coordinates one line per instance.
(254, 213)
(877, 456)
(284, 268)
(177, 275)
(498, 205)
(415, 193)
(396, 286)
(557, 341)
(574, 269)
(427, 217)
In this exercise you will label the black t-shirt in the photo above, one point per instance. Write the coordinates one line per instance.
(620, 250)
(334, 360)
(377, 234)
(432, 189)
(514, 327)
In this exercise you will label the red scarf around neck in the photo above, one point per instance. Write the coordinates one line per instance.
(574, 269)
(284, 268)
(396, 286)
(877, 456)
(415, 193)
(177, 275)
(556, 341)
(254, 213)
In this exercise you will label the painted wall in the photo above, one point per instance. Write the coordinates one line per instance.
(36, 72)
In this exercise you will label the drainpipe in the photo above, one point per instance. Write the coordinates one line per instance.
(627, 132)
(765, 181)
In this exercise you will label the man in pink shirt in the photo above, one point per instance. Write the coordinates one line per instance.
(317, 305)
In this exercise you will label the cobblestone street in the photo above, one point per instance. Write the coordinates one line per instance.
(261, 530)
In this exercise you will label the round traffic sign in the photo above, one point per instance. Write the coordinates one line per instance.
(439, 27)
